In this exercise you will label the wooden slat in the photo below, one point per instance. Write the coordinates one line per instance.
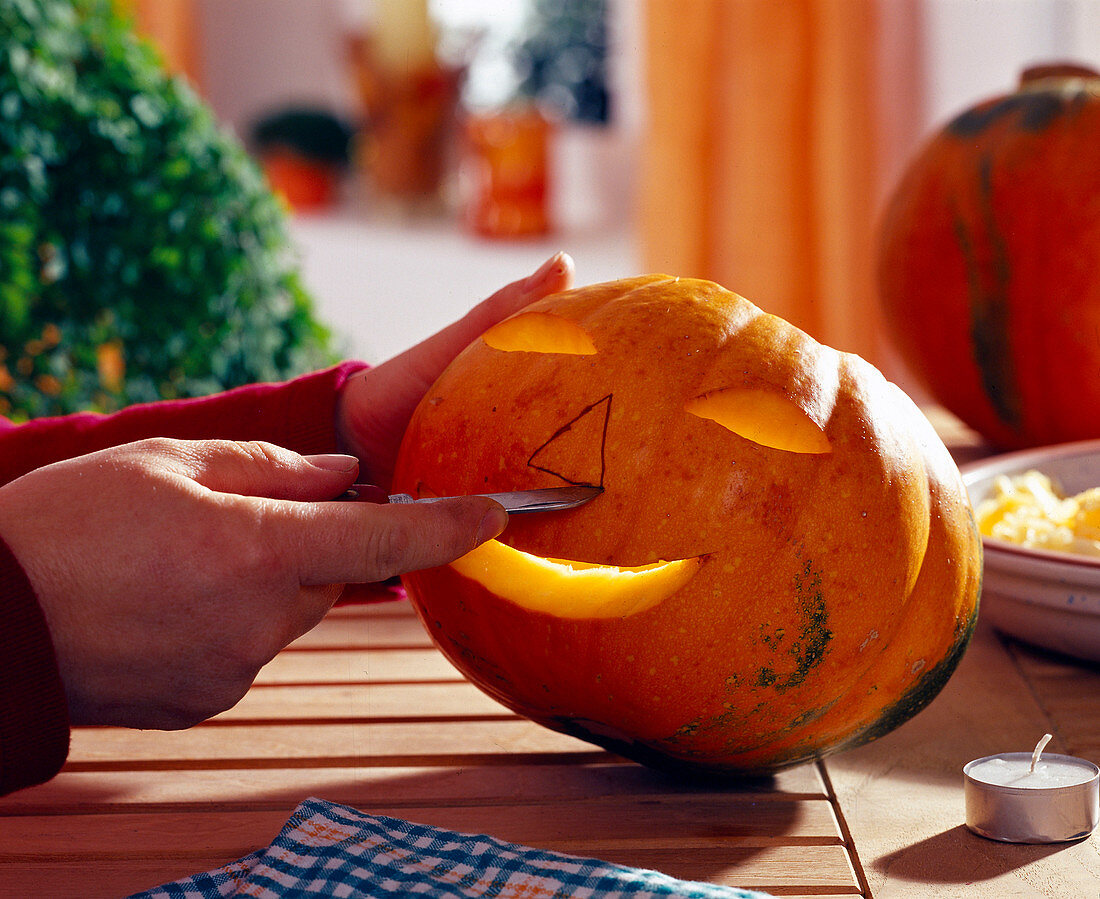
(820, 871)
(238, 745)
(795, 870)
(356, 627)
(401, 607)
(359, 666)
(740, 844)
(105, 879)
(364, 701)
(370, 788)
(576, 826)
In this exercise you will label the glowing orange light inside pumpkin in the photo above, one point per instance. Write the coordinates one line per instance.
(762, 416)
(540, 332)
(569, 589)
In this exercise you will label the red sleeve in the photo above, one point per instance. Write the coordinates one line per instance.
(34, 719)
(298, 414)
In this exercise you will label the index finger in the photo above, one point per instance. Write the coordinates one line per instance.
(375, 405)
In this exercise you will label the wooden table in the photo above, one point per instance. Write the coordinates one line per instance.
(364, 711)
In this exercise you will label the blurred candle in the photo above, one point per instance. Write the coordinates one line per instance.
(507, 169)
(404, 38)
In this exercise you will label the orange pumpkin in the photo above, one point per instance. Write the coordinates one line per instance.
(988, 262)
(783, 561)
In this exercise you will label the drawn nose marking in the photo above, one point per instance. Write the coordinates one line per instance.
(575, 452)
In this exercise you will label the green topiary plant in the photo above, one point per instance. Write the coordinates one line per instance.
(142, 255)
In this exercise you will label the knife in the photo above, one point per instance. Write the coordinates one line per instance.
(545, 499)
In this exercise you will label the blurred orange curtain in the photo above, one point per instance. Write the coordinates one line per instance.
(172, 25)
(772, 128)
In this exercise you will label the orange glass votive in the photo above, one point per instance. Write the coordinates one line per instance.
(306, 185)
(507, 162)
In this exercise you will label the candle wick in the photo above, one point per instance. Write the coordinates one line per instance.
(1040, 746)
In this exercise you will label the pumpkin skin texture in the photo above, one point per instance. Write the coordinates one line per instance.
(987, 262)
(832, 580)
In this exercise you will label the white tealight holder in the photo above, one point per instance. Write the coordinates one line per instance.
(1028, 797)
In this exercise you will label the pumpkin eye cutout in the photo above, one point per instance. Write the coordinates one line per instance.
(762, 416)
(540, 332)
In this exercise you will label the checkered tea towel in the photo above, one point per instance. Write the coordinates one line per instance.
(332, 850)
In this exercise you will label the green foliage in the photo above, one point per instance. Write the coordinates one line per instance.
(134, 232)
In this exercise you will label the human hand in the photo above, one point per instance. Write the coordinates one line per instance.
(171, 571)
(375, 406)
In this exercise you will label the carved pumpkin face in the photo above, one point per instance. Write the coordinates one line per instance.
(782, 561)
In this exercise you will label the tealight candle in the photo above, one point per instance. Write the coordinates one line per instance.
(1028, 797)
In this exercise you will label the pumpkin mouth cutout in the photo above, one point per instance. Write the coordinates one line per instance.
(571, 589)
(540, 332)
(764, 417)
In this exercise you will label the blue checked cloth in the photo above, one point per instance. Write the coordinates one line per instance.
(332, 850)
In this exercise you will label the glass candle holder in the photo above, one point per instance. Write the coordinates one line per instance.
(506, 166)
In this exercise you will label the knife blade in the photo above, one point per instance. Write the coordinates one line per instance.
(544, 499)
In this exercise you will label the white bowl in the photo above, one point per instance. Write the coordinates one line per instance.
(1043, 597)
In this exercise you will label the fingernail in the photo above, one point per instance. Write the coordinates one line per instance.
(333, 462)
(494, 522)
(557, 260)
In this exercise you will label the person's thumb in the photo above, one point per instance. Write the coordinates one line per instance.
(336, 543)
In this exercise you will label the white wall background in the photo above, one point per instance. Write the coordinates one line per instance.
(977, 48)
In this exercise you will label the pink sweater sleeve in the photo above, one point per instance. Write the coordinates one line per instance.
(298, 414)
(34, 725)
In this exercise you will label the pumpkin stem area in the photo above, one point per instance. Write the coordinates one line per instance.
(568, 589)
(762, 416)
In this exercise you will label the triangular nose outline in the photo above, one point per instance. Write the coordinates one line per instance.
(593, 417)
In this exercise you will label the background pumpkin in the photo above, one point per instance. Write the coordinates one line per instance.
(988, 262)
(836, 564)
